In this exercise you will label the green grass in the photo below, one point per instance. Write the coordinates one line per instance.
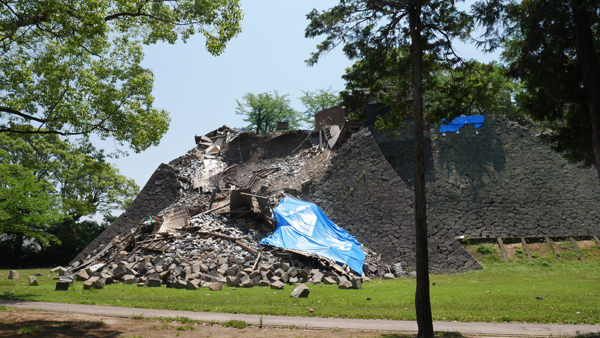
(238, 324)
(499, 293)
(29, 330)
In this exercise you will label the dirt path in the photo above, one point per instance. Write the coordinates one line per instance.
(18, 323)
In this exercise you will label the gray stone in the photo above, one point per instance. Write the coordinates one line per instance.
(13, 274)
(88, 283)
(264, 283)
(277, 285)
(301, 291)
(389, 276)
(153, 282)
(345, 285)
(129, 279)
(82, 276)
(412, 275)
(33, 281)
(62, 285)
(329, 280)
(217, 286)
(356, 283)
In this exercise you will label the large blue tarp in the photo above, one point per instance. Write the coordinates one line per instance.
(460, 121)
(303, 226)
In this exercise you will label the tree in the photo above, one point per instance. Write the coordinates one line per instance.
(552, 48)
(46, 187)
(374, 31)
(264, 110)
(73, 68)
(472, 88)
(316, 101)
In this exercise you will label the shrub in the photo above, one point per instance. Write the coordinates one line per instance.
(485, 250)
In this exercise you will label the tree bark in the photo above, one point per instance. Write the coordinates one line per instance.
(422, 303)
(588, 60)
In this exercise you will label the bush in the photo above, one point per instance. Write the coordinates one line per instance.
(485, 250)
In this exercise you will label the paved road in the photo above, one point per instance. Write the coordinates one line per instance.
(490, 329)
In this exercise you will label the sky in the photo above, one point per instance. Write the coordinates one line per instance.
(200, 90)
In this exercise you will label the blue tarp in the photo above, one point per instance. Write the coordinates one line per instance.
(303, 226)
(460, 121)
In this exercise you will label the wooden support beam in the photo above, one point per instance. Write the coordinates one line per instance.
(503, 250)
(550, 246)
(577, 249)
(596, 239)
(526, 247)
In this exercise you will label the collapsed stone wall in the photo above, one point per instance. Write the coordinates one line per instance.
(502, 182)
(362, 193)
(161, 190)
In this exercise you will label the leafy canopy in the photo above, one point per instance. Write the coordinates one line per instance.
(46, 181)
(316, 101)
(264, 110)
(540, 46)
(74, 67)
(377, 36)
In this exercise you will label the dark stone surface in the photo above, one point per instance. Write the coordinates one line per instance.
(504, 182)
(363, 194)
(161, 190)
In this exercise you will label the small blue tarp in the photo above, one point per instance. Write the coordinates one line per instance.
(303, 226)
(460, 121)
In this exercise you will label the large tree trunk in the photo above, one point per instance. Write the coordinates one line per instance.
(591, 73)
(422, 304)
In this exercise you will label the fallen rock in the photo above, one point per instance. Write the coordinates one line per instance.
(33, 281)
(153, 282)
(62, 285)
(13, 274)
(412, 275)
(301, 291)
(193, 284)
(356, 283)
(389, 276)
(82, 276)
(129, 279)
(277, 285)
(88, 283)
(345, 285)
(217, 286)
(329, 280)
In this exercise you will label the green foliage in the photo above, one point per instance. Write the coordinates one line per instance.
(485, 250)
(264, 110)
(74, 67)
(30, 330)
(540, 42)
(27, 206)
(472, 88)
(316, 101)
(48, 185)
(238, 324)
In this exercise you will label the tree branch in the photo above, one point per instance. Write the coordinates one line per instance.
(23, 115)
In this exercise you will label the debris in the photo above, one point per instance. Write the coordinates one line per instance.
(301, 291)
(33, 281)
(13, 274)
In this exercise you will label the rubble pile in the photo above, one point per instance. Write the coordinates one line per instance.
(210, 235)
(209, 252)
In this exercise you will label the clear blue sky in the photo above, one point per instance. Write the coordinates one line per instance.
(200, 90)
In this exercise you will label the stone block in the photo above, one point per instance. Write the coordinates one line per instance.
(129, 279)
(345, 285)
(13, 274)
(301, 291)
(216, 286)
(277, 285)
(33, 281)
(62, 285)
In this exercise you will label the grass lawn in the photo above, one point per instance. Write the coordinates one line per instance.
(570, 293)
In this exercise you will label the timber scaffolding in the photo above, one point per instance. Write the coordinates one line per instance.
(523, 240)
